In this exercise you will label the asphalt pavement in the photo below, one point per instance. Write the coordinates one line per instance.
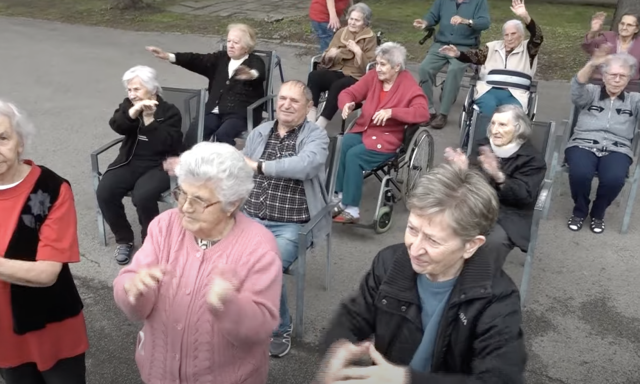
(582, 323)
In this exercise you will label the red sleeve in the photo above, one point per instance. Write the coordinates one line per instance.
(59, 233)
(417, 106)
(357, 93)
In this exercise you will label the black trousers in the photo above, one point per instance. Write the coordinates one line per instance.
(219, 128)
(65, 371)
(498, 245)
(145, 184)
(322, 80)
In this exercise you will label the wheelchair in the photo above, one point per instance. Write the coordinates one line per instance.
(398, 175)
(470, 111)
(315, 60)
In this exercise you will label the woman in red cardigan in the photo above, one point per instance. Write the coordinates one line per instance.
(394, 99)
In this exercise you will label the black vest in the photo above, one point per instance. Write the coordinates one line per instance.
(34, 308)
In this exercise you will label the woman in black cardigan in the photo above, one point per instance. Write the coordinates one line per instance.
(516, 170)
(236, 80)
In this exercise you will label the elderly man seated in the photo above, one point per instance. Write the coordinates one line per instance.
(515, 169)
(151, 130)
(601, 140)
(461, 22)
(508, 65)
(394, 99)
(432, 309)
(288, 156)
(236, 80)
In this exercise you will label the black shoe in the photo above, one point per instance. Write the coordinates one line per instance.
(124, 253)
(597, 226)
(575, 223)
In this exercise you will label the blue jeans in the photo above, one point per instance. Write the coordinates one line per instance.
(494, 98)
(286, 235)
(324, 34)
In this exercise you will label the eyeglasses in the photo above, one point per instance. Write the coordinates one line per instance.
(617, 76)
(625, 25)
(196, 204)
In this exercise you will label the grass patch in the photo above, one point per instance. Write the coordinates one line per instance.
(564, 26)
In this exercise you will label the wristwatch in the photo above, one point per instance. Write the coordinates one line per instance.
(471, 23)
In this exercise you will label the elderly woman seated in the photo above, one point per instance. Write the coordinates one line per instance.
(515, 169)
(151, 130)
(343, 63)
(435, 308)
(394, 99)
(236, 80)
(206, 283)
(508, 65)
(625, 40)
(601, 140)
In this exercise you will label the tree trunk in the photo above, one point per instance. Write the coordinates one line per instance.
(624, 6)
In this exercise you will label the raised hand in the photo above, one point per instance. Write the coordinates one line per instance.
(517, 7)
(489, 162)
(597, 20)
(347, 109)
(449, 50)
(158, 52)
(143, 281)
(601, 53)
(456, 157)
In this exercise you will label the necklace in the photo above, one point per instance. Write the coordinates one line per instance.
(206, 244)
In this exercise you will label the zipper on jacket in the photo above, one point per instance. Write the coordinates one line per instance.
(132, 152)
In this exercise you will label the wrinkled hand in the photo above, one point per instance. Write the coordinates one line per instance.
(143, 281)
(381, 116)
(419, 24)
(354, 47)
(597, 20)
(382, 372)
(340, 355)
(223, 285)
(517, 7)
(456, 157)
(601, 53)
(455, 20)
(170, 165)
(348, 108)
(334, 23)
(489, 162)
(449, 50)
(147, 107)
(158, 52)
(243, 73)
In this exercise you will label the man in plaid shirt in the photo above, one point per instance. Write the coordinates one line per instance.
(288, 156)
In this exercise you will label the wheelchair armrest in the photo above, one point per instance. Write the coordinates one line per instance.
(308, 227)
(543, 195)
(95, 167)
(255, 105)
(314, 62)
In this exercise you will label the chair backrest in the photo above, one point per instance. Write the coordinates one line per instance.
(478, 131)
(543, 138)
(191, 104)
(331, 167)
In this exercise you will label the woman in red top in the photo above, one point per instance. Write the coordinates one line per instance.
(43, 336)
(325, 19)
(394, 99)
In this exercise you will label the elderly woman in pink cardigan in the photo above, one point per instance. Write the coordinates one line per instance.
(625, 40)
(207, 280)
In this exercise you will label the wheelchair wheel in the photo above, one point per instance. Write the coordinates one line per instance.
(384, 220)
(418, 160)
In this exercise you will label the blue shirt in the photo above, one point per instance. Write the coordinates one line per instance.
(433, 298)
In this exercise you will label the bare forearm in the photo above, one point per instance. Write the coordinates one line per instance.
(331, 7)
(585, 73)
(28, 273)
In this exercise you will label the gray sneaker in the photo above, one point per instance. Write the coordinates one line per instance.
(281, 343)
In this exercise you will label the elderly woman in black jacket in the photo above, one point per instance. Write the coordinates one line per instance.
(516, 169)
(437, 310)
(236, 80)
(151, 130)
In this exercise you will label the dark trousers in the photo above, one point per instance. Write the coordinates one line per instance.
(583, 165)
(322, 80)
(65, 371)
(498, 245)
(220, 128)
(146, 186)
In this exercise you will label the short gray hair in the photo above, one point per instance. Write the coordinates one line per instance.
(20, 124)
(248, 35)
(305, 89)
(147, 76)
(393, 53)
(463, 196)
(623, 59)
(220, 165)
(520, 121)
(364, 10)
(516, 23)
